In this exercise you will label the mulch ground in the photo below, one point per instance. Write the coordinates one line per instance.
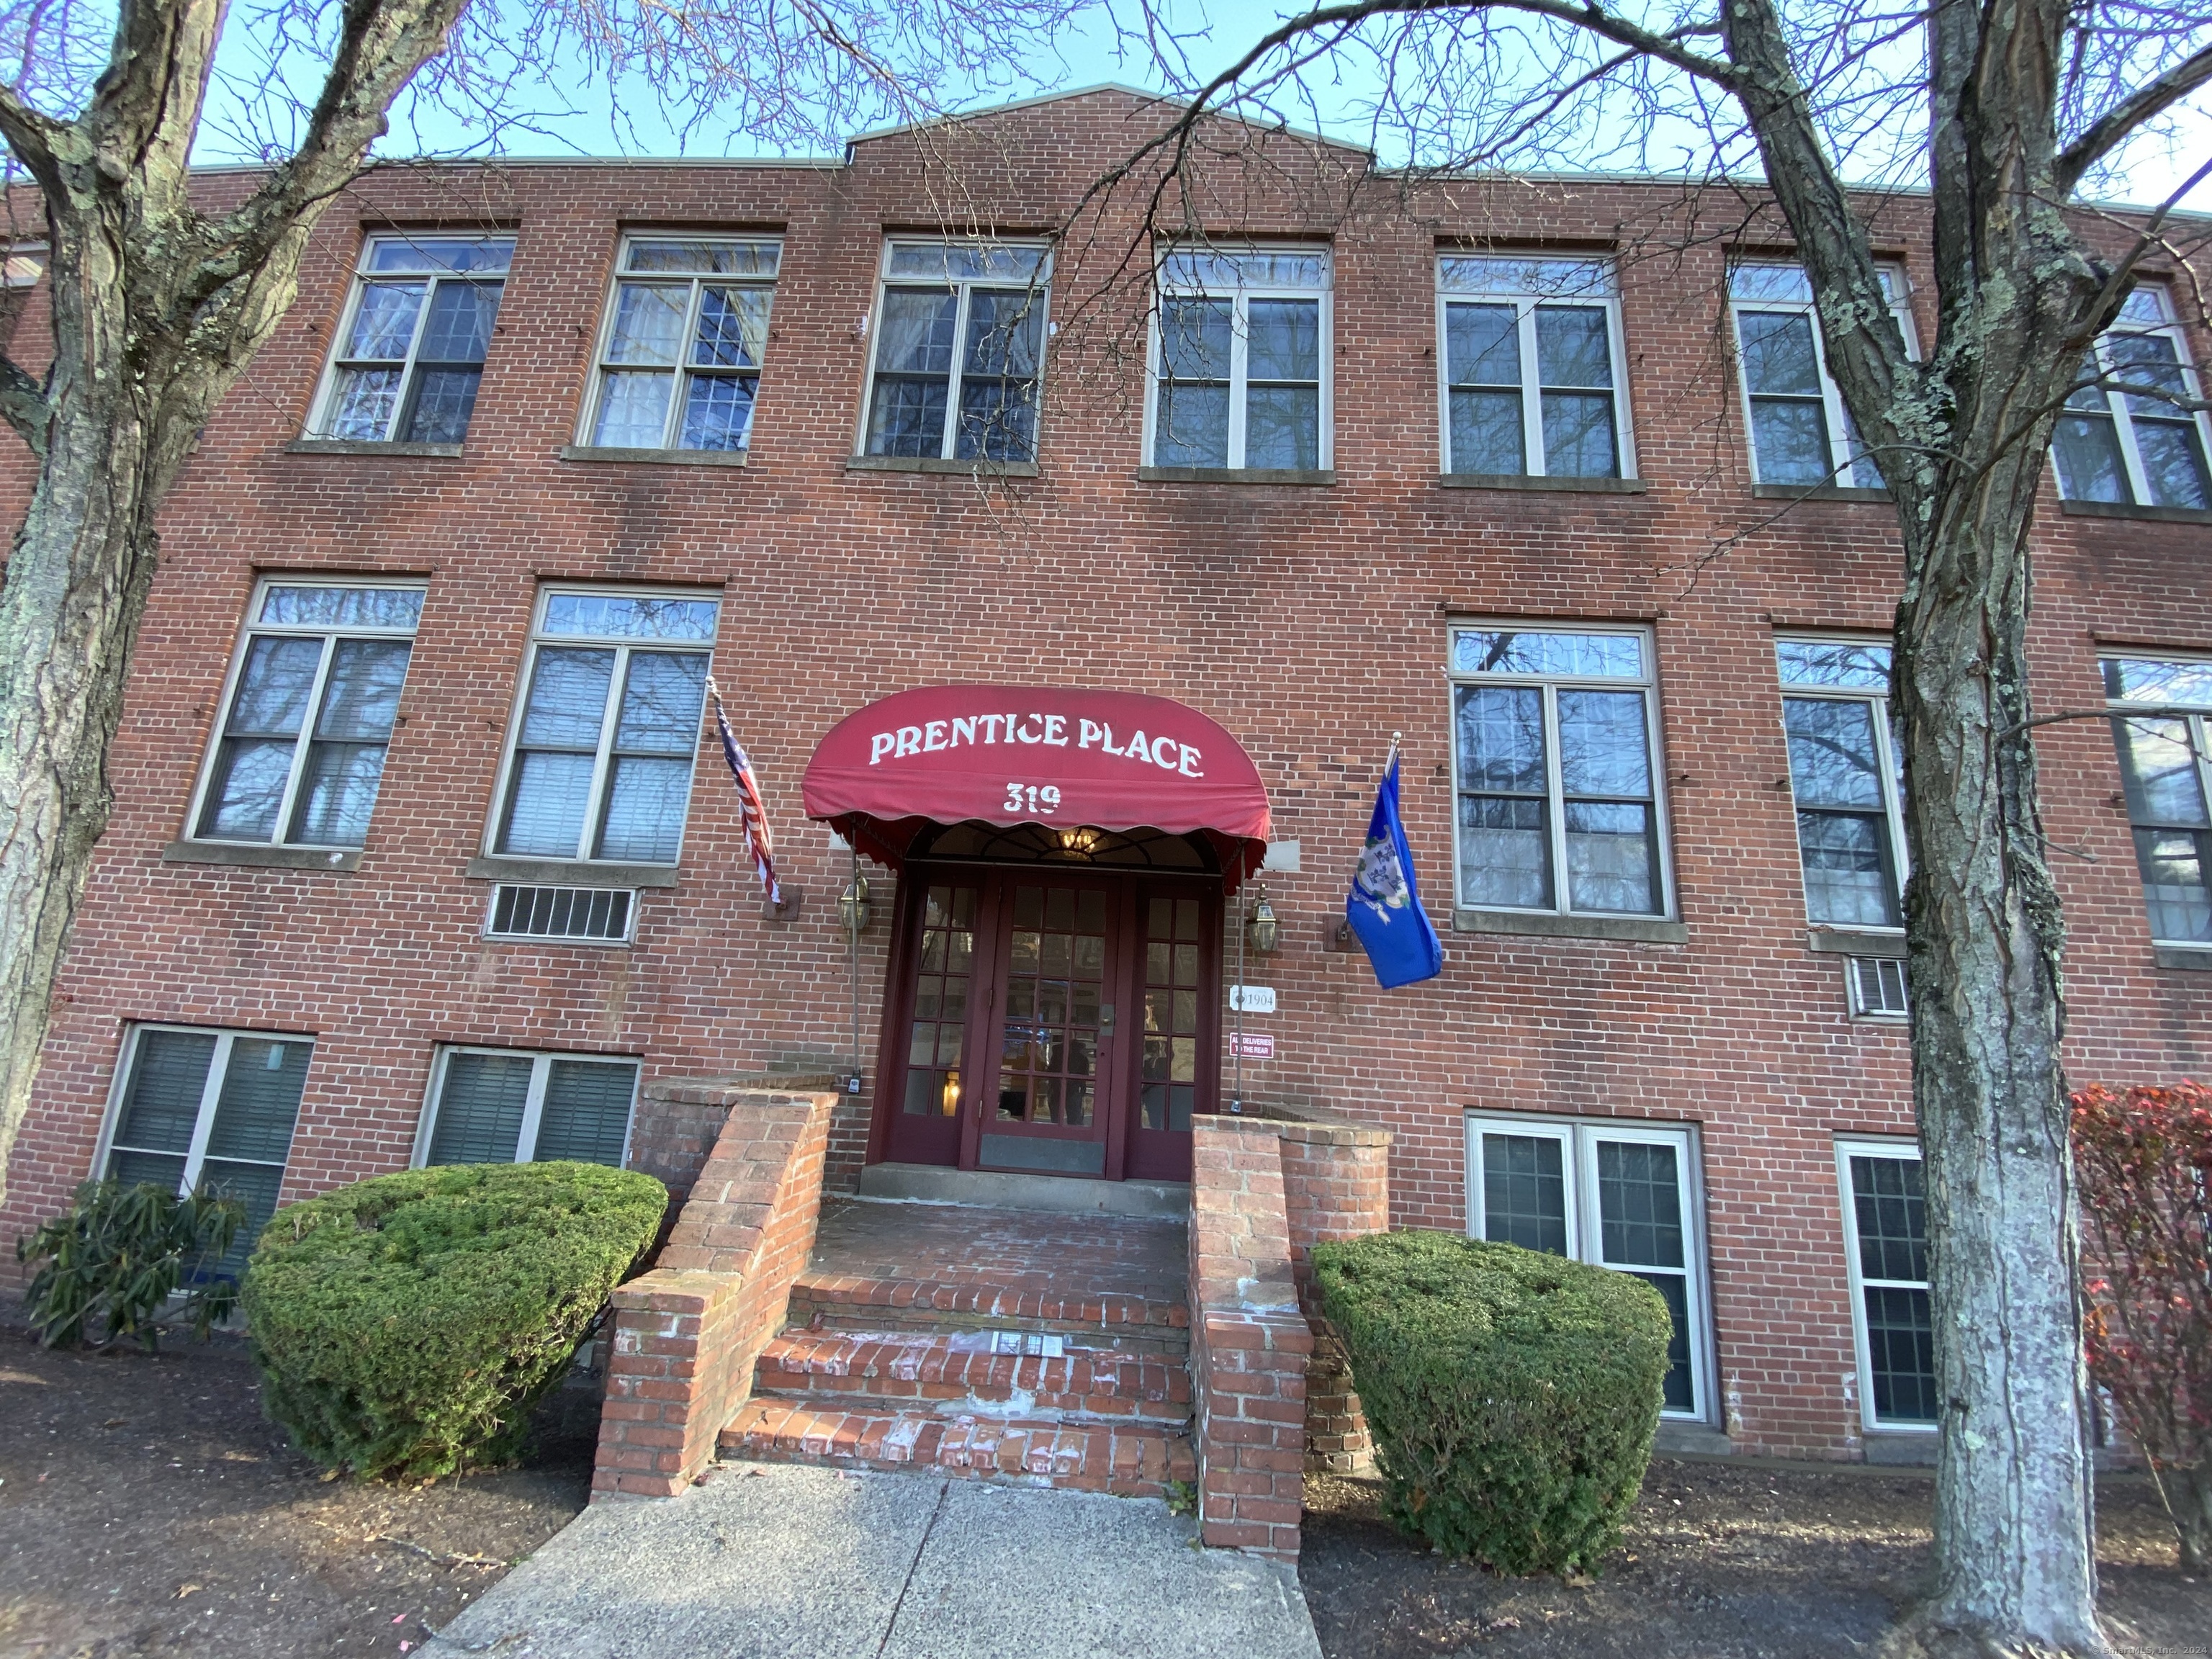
(148, 1509)
(1722, 1561)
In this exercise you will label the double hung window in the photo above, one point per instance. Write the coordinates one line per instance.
(959, 347)
(209, 1109)
(2135, 446)
(1800, 433)
(1845, 776)
(497, 1106)
(1555, 745)
(310, 710)
(600, 760)
(411, 349)
(2165, 768)
(680, 350)
(1533, 369)
(1618, 1194)
(1885, 1240)
(1240, 379)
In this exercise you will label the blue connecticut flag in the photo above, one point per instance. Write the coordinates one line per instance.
(1384, 904)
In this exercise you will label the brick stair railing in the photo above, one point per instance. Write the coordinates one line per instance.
(986, 1383)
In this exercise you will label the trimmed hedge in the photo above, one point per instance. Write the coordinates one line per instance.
(1512, 1395)
(407, 1325)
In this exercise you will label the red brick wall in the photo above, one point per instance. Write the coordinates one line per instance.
(687, 1334)
(1336, 1184)
(1250, 1344)
(1309, 621)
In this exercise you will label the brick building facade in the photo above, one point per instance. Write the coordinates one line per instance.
(1643, 1045)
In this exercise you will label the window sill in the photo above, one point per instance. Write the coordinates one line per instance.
(1767, 492)
(2188, 958)
(2130, 510)
(652, 456)
(938, 464)
(1856, 942)
(1242, 475)
(251, 855)
(1649, 930)
(1529, 481)
(355, 446)
(570, 873)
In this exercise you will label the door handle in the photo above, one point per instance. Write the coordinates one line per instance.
(1105, 1019)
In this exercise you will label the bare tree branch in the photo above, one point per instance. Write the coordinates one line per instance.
(23, 405)
(2113, 128)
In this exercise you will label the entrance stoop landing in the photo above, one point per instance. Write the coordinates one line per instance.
(934, 1183)
(1023, 1346)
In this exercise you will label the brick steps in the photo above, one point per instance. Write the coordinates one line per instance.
(1131, 1459)
(1037, 1373)
(841, 1302)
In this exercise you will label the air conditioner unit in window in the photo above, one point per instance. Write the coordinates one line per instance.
(1877, 987)
(600, 915)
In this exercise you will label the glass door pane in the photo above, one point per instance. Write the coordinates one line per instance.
(943, 967)
(1057, 1011)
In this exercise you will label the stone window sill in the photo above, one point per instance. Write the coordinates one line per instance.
(1647, 930)
(1855, 942)
(353, 446)
(1242, 475)
(248, 855)
(2189, 958)
(1817, 492)
(1524, 481)
(652, 456)
(938, 464)
(2130, 510)
(570, 873)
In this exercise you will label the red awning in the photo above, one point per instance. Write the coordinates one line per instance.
(1009, 754)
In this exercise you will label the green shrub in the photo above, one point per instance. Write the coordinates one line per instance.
(1512, 1395)
(406, 1325)
(118, 1254)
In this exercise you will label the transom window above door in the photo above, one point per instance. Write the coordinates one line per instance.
(601, 755)
(1617, 1194)
(1847, 779)
(1554, 740)
(680, 348)
(1240, 365)
(1533, 374)
(1800, 433)
(313, 696)
(960, 334)
(410, 350)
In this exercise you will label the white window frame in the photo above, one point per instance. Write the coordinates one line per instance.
(533, 1110)
(1240, 331)
(1903, 1151)
(1839, 448)
(225, 1038)
(1555, 792)
(1577, 1138)
(1525, 300)
(321, 409)
(2199, 727)
(1040, 286)
(603, 756)
(2169, 327)
(683, 370)
(1886, 759)
(330, 635)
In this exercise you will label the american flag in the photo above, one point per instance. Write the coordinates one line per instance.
(749, 810)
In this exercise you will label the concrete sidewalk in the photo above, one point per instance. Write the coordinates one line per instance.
(771, 1560)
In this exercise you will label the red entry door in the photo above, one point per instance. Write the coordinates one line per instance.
(1050, 1021)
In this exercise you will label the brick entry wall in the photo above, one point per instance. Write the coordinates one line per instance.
(687, 1334)
(1272, 1392)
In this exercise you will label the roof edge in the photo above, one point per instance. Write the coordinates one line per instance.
(1165, 101)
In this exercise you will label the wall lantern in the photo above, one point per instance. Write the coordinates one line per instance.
(853, 906)
(1262, 930)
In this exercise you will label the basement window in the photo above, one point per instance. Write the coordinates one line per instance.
(199, 1109)
(410, 350)
(500, 1106)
